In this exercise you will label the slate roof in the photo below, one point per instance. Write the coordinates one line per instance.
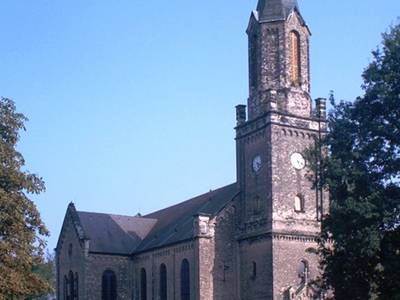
(275, 10)
(115, 234)
(175, 223)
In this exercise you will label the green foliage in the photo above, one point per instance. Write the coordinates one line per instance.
(22, 231)
(46, 271)
(360, 243)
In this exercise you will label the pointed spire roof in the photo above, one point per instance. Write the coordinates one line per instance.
(275, 10)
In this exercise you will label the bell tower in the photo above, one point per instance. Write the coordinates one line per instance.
(279, 68)
(278, 211)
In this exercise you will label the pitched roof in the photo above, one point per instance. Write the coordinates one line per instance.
(175, 223)
(275, 10)
(124, 235)
(114, 233)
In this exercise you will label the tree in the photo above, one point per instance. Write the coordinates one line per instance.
(46, 271)
(22, 231)
(360, 241)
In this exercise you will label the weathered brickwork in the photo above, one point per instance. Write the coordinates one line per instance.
(289, 253)
(70, 258)
(256, 270)
(73, 256)
(247, 241)
(96, 264)
(172, 257)
(225, 260)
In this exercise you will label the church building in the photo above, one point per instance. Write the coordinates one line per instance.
(250, 240)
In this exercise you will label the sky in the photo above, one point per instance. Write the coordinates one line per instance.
(131, 102)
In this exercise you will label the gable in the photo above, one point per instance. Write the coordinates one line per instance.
(71, 223)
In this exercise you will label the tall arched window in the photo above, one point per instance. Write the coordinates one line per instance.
(163, 282)
(109, 286)
(71, 286)
(66, 288)
(76, 287)
(185, 280)
(295, 61)
(143, 284)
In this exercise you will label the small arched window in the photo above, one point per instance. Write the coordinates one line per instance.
(69, 250)
(185, 280)
(257, 205)
(299, 203)
(253, 270)
(109, 286)
(163, 282)
(304, 271)
(143, 284)
(295, 57)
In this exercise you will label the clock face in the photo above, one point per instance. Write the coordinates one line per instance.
(257, 163)
(298, 161)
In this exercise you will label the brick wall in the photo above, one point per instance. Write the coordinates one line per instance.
(96, 264)
(70, 257)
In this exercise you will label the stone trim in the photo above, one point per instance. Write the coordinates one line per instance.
(109, 254)
(167, 250)
(282, 113)
(277, 236)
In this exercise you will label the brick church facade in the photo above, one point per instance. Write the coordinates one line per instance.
(246, 241)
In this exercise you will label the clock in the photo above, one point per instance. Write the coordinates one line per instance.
(257, 163)
(298, 161)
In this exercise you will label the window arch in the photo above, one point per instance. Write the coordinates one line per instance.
(70, 250)
(109, 286)
(257, 205)
(185, 280)
(254, 270)
(295, 57)
(71, 286)
(66, 288)
(163, 282)
(299, 203)
(304, 271)
(143, 284)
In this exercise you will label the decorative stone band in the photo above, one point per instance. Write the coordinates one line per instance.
(278, 236)
(279, 118)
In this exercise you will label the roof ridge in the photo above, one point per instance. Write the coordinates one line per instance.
(110, 214)
(190, 199)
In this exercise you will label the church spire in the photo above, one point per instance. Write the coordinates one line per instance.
(275, 10)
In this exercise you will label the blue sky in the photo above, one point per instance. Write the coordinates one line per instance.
(131, 102)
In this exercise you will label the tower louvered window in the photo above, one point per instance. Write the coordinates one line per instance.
(185, 280)
(109, 286)
(253, 60)
(295, 62)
